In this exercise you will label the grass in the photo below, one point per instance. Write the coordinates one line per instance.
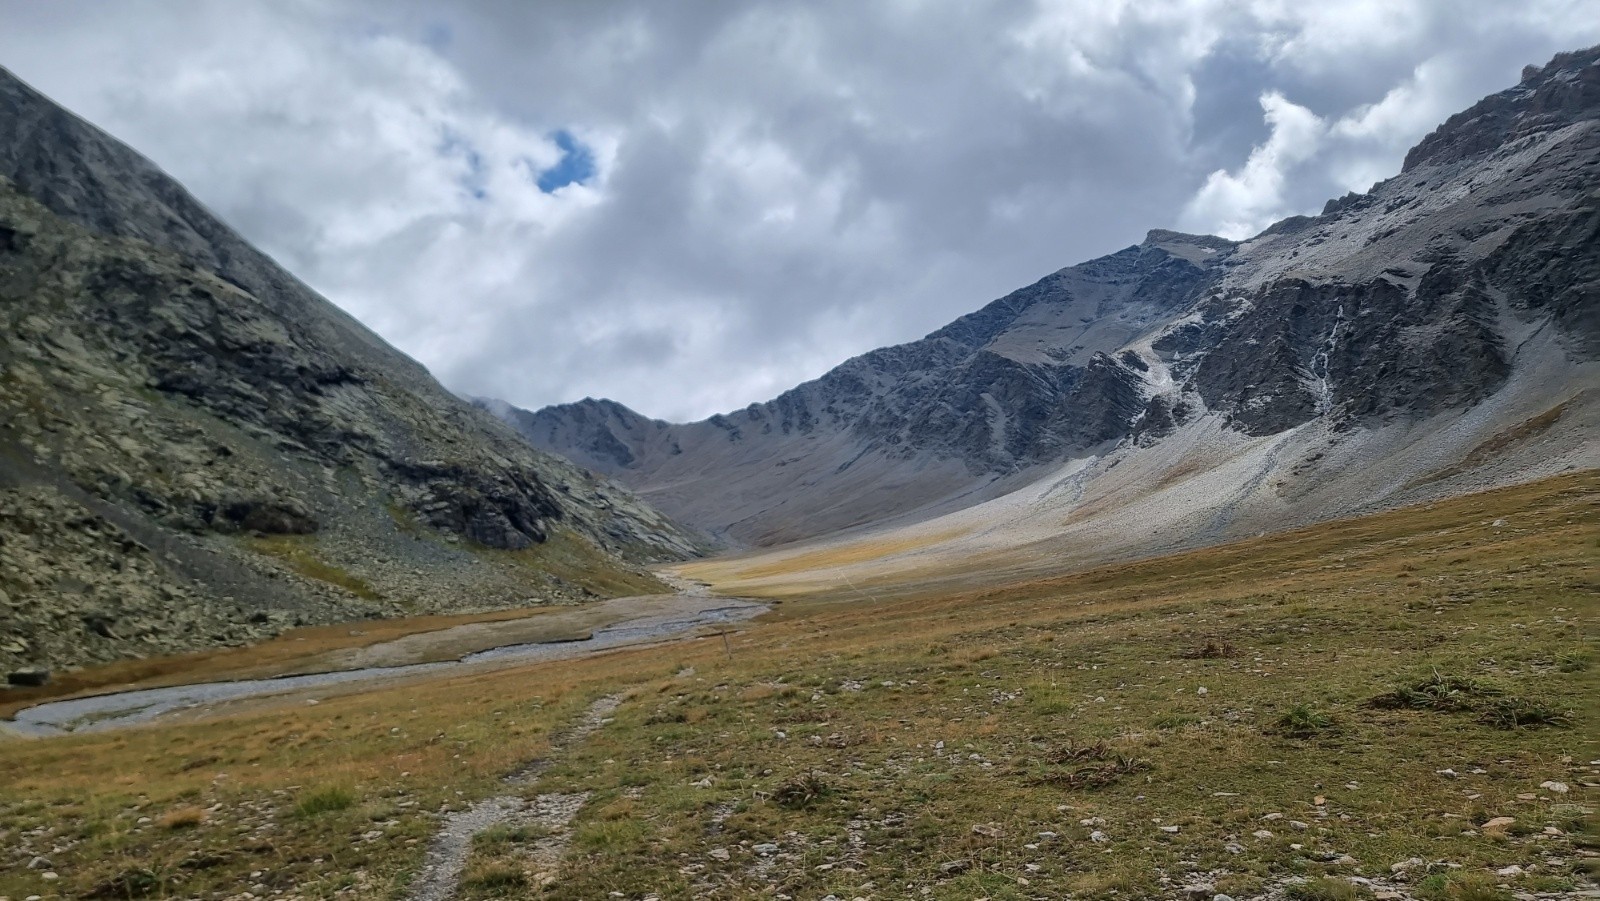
(182, 818)
(1302, 721)
(325, 800)
(569, 558)
(299, 553)
(1325, 889)
(943, 727)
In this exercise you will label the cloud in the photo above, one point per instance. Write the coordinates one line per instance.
(1238, 205)
(693, 208)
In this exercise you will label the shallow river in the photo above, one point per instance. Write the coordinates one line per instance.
(112, 711)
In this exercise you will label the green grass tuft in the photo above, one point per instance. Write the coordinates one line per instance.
(324, 800)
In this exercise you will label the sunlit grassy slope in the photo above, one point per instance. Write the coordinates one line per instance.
(1375, 690)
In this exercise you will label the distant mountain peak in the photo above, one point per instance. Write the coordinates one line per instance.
(1405, 305)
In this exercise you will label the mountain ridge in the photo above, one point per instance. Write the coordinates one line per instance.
(1400, 303)
(197, 449)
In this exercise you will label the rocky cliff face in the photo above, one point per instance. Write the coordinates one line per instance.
(195, 448)
(1422, 298)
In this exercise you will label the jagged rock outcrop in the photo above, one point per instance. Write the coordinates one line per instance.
(1425, 297)
(196, 448)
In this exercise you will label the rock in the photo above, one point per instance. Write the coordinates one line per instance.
(765, 849)
(955, 867)
(1262, 834)
(1559, 788)
(1497, 826)
(1512, 870)
(1170, 830)
(40, 863)
(987, 830)
(1221, 898)
(1199, 889)
(719, 853)
(1099, 837)
(28, 678)
(1407, 865)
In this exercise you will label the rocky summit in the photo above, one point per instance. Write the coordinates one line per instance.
(196, 449)
(1438, 333)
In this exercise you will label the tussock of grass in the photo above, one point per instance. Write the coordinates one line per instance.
(1302, 721)
(1325, 889)
(1523, 713)
(1211, 650)
(324, 800)
(800, 791)
(1437, 692)
(182, 818)
(1462, 886)
(496, 878)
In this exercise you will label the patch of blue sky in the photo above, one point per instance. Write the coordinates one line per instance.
(575, 167)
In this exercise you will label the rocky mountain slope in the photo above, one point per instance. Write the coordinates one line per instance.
(1436, 333)
(197, 449)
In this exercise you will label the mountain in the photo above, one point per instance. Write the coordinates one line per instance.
(195, 448)
(1437, 333)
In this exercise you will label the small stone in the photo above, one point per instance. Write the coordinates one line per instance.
(1296, 824)
(1233, 848)
(1512, 870)
(49, 876)
(1170, 830)
(1099, 837)
(1199, 889)
(955, 867)
(1408, 864)
(720, 853)
(1497, 826)
(1448, 774)
(988, 830)
(1559, 788)
(1201, 691)
(1221, 898)
(765, 849)
(1261, 833)
(40, 863)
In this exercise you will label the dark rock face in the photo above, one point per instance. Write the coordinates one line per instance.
(1565, 91)
(1398, 304)
(283, 464)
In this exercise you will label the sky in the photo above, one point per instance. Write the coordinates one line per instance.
(689, 207)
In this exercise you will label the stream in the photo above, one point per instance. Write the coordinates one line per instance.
(128, 708)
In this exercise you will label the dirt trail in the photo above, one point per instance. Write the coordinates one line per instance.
(447, 855)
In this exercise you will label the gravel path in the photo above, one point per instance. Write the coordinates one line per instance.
(447, 855)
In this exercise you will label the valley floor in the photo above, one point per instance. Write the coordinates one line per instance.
(1400, 706)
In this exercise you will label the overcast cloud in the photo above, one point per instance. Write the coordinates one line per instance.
(688, 207)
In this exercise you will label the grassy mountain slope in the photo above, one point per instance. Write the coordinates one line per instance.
(195, 449)
(1376, 690)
